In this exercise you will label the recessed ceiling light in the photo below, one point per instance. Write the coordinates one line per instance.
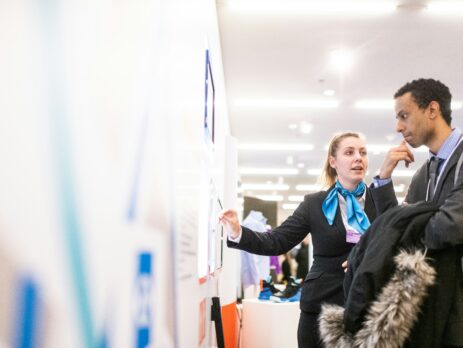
(300, 165)
(288, 104)
(276, 147)
(328, 92)
(289, 160)
(341, 59)
(269, 171)
(306, 127)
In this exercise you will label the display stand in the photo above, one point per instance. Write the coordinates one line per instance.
(216, 316)
(268, 324)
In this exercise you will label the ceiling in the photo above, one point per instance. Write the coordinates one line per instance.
(283, 56)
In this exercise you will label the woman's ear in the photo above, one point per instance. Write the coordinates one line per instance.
(332, 162)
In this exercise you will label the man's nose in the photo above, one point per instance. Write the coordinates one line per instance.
(399, 127)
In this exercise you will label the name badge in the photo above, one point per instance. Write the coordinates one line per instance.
(352, 236)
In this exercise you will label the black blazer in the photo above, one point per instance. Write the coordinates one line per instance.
(445, 229)
(324, 282)
(444, 232)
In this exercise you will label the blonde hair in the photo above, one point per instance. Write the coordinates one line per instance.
(329, 175)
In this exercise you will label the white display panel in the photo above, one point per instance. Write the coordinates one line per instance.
(106, 134)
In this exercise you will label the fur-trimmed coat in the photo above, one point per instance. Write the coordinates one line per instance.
(391, 301)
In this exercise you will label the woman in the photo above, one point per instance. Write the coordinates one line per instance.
(336, 218)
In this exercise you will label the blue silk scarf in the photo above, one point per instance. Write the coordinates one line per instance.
(356, 217)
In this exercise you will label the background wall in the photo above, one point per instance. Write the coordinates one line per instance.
(104, 161)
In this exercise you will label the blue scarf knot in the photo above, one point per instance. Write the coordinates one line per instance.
(356, 217)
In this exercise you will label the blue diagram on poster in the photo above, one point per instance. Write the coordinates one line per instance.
(143, 315)
(26, 328)
(209, 106)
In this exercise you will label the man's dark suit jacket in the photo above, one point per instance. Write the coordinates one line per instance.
(324, 282)
(444, 232)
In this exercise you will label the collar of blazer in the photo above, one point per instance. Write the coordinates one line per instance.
(369, 208)
(452, 162)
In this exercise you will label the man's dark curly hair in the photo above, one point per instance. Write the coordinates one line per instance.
(424, 91)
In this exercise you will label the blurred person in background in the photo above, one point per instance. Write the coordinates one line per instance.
(302, 259)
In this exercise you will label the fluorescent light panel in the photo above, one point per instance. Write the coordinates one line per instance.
(272, 198)
(403, 173)
(388, 104)
(315, 172)
(295, 198)
(287, 104)
(329, 92)
(445, 7)
(269, 171)
(276, 147)
(315, 7)
(383, 148)
(375, 104)
(290, 206)
(276, 187)
(308, 187)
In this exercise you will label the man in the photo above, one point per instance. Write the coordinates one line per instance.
(423, 116)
